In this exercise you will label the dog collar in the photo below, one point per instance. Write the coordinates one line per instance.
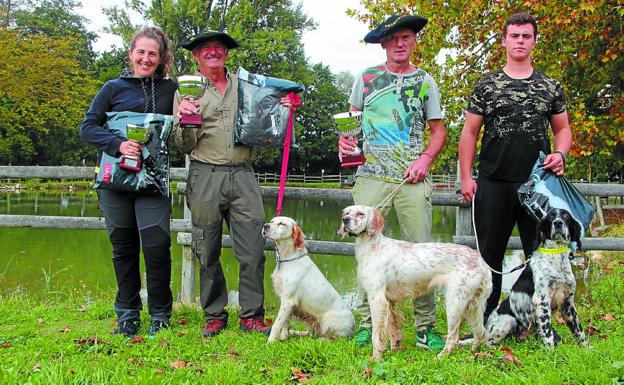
(298, 255)
(557, 250)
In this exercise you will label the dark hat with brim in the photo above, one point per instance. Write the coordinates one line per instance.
(393, 24)
(191, 42)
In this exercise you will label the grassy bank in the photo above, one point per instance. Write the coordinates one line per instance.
(64, 338)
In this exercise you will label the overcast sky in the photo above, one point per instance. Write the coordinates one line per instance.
(336, 42)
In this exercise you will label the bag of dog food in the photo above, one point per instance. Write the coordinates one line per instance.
(262, 119)
(148, 174)
(544, 190)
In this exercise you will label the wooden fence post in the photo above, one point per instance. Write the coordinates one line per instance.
(187, 286)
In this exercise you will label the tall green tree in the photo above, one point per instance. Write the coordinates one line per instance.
(580, 43)
(269, 30)
(315, 143)
(270, 33)
(54, 18)
(44, 92)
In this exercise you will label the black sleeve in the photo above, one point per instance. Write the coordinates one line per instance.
(93, 130)
(476, 103)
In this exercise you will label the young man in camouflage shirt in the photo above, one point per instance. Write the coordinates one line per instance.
(398, 101)
(516, 105)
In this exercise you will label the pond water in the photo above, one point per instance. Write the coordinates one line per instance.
(45, 260)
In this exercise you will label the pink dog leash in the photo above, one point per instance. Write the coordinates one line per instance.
(295, 100)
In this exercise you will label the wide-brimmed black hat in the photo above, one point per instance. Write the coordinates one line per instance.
(192, 42)
(393, 24)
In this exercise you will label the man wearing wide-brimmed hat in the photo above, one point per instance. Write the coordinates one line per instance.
(221, 185)
(398, 101)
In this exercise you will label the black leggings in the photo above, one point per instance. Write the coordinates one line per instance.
(497, 210)
(134, 221)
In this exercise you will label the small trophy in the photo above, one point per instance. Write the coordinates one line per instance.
(140, 134)
(193, 87)
(348, 124)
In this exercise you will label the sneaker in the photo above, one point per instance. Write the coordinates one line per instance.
(254, 325)
(362, 336)
(213, 327)
(128, 328)
(430, 339)
(157, 325)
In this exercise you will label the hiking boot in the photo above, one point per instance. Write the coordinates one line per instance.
(254, 325)
(128, 328)
(157, 325)
(430, 339)
(213, 327)
(362, 336)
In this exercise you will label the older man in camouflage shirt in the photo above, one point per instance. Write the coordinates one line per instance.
(516, 105)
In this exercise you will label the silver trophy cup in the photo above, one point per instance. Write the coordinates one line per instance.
(349, 124)
(191, 87)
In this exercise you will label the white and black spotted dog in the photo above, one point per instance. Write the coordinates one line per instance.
(546, 285)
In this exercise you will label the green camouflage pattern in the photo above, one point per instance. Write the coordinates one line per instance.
(516, 117)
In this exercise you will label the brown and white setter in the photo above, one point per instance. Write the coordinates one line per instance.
(301, 287)
(392, 270)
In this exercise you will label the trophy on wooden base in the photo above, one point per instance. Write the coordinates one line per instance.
(348, 124)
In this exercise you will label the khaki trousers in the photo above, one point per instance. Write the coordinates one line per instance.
(412, 204)
(216, 193)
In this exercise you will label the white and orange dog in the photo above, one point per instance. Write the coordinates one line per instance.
(391, 270)
(301, 287)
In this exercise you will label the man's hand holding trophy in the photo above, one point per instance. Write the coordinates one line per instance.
(348, 126)
(191, 88)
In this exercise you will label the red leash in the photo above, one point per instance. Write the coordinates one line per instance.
(295, 100)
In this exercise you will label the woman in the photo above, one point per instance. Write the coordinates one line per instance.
(134, 221)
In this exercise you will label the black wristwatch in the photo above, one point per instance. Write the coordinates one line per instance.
(563, 156)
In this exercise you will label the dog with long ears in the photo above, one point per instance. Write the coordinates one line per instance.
(546, 285)
(301, 287)
(392, 270)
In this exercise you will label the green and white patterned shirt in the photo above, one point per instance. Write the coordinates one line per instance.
(395, 109)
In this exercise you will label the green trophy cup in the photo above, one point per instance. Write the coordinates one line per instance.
(348, 124)
(191, 87)
(140, 134)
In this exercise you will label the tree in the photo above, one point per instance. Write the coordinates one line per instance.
(44, 92)
(56, 18)
(344, 82)
(269, 30)
(580, 44)
(270, 35)
(315, 141)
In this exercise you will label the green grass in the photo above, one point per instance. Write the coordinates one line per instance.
(49, 339)
(47, 184)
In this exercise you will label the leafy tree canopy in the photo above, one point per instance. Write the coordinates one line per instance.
(580, 43)
(42, 104)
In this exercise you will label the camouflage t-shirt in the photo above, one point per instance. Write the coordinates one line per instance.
(516, 116)
(395, 109)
